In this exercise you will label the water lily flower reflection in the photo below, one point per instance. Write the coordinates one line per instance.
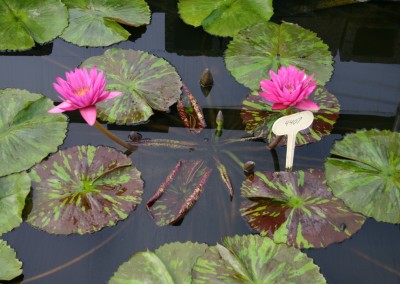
(82, 90)
(289, 88)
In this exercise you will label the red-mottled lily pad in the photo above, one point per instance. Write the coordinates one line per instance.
(171, 263)
(179, 192)
(259, 117)
(297, 208)
(190, 111)
(24, 22)
(97, 22)
(13, 191)
(10, 266)
(83, 189)
(224, 17)
(366, 175)
(28, 132)
(266, 46)
(148, 82)
(254, 259)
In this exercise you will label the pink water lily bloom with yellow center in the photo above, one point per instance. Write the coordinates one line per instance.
(82, 90)
(290, 87)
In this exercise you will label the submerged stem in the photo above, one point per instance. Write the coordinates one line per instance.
(113, 137)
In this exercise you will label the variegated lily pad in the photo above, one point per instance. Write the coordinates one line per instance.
(13, 191)
(254, 259)
(97, 22)
(148, 82)
(266, 46)
(179, 192)
(297, 208)
(171, 263)
(10, 266)
(366, 175)
(83, 189)
(259, 117)
(224, 17)
(24, 22)
(28, 132)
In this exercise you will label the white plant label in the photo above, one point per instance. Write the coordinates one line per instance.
(289, 125)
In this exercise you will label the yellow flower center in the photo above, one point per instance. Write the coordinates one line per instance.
(81, 92)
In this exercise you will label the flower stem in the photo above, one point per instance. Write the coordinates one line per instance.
(278, 139)
(113, 137)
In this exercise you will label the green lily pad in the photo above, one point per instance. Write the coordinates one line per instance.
(10, 266)
(254, 259)
(97, 22)
(171, 263)
(13, 191)
(83, 189)
(148, 82)
(266, 46)
(259, 117)
(366, 175)
(179, 192)
(225, 17)
(24, 22)
(27, 132)
(298, 209)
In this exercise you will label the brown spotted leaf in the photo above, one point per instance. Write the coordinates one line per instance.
(179, 192)
(297, 208)
(83, 189)
(259, 117)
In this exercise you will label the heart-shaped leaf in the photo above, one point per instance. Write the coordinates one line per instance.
(28, 132)
(83, 189)
(254, 259)
(224, 17)
(297, 208)
(97, 22)
(179, 192)
(13, 191)
(10, 266)
(266, 46)
(148, 82)
(171, 263)
(367, 173)
(259, 117)
(24, 22)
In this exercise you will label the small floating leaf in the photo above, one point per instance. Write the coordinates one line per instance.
(259, 117)
(28, 132)
(224, 17)
(10, 266)
(179, 192)
(366, 175)
(13, 191)
(254, 259)
(297, 208)
(97, 22)
(24, 22)
(267, 46)
(190, 111)
(171, 263)
(147, 82)
(224, 176)
(83, 189)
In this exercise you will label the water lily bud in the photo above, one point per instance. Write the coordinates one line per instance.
(206, 79)
(248, 167)
(220, 120)
(135, 136)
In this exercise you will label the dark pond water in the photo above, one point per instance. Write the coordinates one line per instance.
(365, 41)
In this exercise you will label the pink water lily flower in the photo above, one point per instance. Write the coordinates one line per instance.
(289, 88)
(82, 90)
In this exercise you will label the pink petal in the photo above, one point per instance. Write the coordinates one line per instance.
(89, 114)
(64, 106)
(279, 106)
(307, 105)
(110, 95)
